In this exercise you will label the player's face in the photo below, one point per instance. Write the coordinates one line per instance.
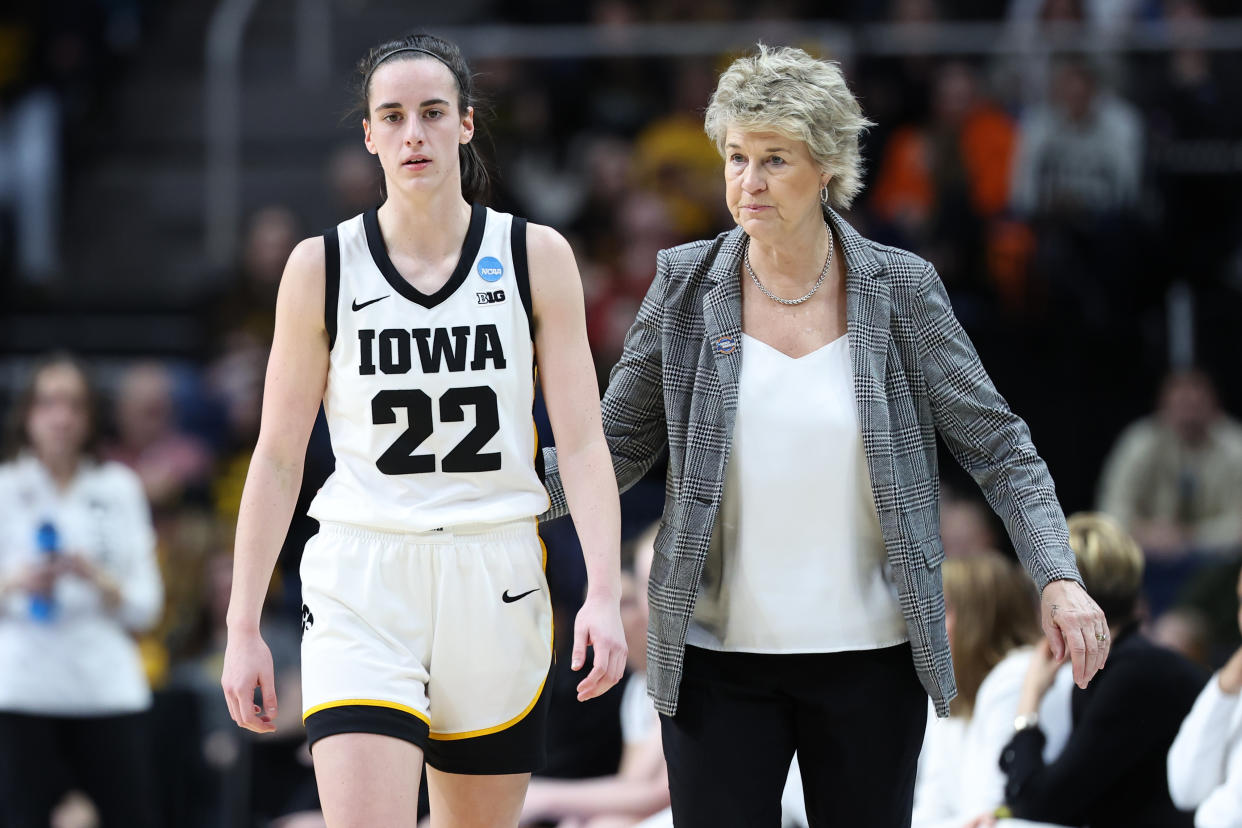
(59, 415)
(414, 125)
(772, 183)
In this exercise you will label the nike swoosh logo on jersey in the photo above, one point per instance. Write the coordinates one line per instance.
(509, 599)
(359, 307)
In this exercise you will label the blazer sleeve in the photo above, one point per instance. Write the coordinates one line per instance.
(989, 441)
(633, 406)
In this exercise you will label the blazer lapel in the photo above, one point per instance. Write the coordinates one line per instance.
(722, 318)
(868, 309)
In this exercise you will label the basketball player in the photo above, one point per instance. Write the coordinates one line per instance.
(427, 624)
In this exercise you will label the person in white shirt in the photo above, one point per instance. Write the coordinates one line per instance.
(78, 578)
(991, 612)
(1205, 761)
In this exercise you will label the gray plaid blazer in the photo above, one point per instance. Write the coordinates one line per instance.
(916, 373)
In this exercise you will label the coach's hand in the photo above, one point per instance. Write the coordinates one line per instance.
(247, 665)
(1075, 626)
(599, 626)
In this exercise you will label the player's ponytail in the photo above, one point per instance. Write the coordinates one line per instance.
(475, 180)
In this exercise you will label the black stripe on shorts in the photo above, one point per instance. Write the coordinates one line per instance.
(366, 718)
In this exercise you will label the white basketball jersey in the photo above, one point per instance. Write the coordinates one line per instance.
(429, 397)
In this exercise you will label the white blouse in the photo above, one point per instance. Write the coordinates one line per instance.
(797, 563)
(83, 660)
(1205, 761)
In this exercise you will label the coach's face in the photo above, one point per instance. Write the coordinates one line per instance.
(772, 184)
(414, 125)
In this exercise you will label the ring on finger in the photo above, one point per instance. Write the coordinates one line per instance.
(1101, 637)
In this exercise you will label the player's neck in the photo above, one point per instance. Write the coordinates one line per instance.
(425, 227)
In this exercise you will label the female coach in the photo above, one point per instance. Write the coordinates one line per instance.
(427, 619)
(798, 374)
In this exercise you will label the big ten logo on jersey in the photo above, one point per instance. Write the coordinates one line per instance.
(491, 297)
(439, 349)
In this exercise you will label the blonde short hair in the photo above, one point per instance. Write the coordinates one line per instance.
(1110, 562)
(785, 90)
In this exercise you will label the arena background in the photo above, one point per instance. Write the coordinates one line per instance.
(158, 160)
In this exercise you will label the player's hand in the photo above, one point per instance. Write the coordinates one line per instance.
(598, 625)
(247, 665)
(1075, 625)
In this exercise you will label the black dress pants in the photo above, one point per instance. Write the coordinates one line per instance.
(107, 757)
(856, 720)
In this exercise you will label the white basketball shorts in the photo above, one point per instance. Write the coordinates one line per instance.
(440, 638)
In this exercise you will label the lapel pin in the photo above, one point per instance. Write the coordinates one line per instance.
(725, 345)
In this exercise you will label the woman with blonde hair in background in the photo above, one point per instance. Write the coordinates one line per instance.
(992, 618)
(1111, 773)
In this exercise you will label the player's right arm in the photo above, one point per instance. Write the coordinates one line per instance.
(297, 372)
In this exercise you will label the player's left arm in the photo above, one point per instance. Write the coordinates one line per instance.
(567, 373)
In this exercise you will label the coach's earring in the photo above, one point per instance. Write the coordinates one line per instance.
(823, 194)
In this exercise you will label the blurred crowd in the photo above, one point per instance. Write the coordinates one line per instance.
(1060, 194)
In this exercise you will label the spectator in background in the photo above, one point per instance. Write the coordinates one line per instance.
(940, 184)
(1185, 630)
(1205, 761)
(78, 578)
(171, 464)
(644, 222)
(1174, 479)
(354, 180)
(675, 161)
(639, 788)
(1193, 102)
(608, 164)
(1080, 153)
(966, 527)
(31, 166)
(262, 778)
(247, 305)
(1111, 773)
(992, 618)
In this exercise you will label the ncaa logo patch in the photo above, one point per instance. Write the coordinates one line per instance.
(491, 269)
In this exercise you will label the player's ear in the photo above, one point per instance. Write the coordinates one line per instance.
(366, 137)
(467, 126)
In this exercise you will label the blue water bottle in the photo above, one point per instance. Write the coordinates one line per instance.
(47, 541)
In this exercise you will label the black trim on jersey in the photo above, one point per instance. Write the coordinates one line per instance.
(521, 269)
(521, 272)
(469, 249)
(365, 718)
(332, 282)
(520, 748)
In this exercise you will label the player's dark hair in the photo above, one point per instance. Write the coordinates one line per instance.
(475, 181)
(16, 439)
